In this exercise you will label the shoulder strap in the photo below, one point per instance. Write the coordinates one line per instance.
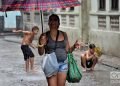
(64, 34)
(47, 33)
(56, 39)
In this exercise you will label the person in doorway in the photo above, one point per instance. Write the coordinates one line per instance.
(89, 58)
(28, 37)
(47, 42)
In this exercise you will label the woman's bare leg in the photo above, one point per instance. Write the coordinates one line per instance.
(52, 81)
(61, 79)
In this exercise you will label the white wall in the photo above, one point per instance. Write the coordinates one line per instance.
(0, 3)
(108, 40)
(75, 31)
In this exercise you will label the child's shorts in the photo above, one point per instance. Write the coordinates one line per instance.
(89, 63)
(27, 52)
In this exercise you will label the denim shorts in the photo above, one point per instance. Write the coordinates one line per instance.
(51, 66)
(63, 67)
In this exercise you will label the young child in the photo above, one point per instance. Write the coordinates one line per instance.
(28, 37)
(89, 58)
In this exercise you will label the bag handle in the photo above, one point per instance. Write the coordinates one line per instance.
(56, 39)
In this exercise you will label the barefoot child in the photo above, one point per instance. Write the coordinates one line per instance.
(89, 58)
(28, 37)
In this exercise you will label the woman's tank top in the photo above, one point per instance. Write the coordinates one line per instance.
(60, 47)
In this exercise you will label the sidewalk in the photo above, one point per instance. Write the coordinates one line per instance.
(106, 60)
(15, 39)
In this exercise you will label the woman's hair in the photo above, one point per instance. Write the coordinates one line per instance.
(35, 28)
(92, 46)
(54, 15)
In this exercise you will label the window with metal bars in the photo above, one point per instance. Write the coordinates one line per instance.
(102, 22)
(37, 18)
(114, 5)
(72, 20)
(114, 23)
(71, 9)
(63, 20)
(28, 17)
(102, 5)
(63, 9)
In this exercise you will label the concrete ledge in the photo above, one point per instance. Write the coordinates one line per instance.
(13, 39)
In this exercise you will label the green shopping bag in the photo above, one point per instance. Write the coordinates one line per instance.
(74, 75)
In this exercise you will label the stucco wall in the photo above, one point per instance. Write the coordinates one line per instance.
(109, 41)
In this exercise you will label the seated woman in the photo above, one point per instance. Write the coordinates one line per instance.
(89, 58)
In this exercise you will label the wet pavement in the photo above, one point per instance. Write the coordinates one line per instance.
(12, 71)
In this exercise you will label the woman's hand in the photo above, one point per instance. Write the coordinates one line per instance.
(77, 44)
(42, 43)
(43, 40)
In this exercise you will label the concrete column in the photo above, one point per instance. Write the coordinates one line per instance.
(119, 23)
(80, 20)
(85, 8)
(108, 5)
(108, 23)
(119, 5)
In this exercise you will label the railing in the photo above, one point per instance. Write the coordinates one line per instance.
(114, 23)
(102, 22)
